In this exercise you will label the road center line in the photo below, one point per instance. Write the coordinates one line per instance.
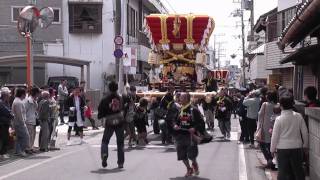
(38, 164)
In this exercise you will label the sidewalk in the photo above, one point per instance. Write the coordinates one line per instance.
(271, 175)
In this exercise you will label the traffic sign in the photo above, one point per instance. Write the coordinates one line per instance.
(118, 53)
(118, 40)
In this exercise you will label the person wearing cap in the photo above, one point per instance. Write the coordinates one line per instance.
(252, 102)
(5, 121)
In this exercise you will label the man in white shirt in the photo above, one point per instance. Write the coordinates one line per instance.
(77, 107)
(62, 97)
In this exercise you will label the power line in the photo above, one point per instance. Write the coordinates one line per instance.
(170, 6)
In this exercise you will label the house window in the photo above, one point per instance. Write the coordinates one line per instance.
(56, 16)
(15, 12)
(131, 24)
(85, 18)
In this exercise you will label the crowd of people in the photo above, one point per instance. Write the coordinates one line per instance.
(270, 118)
(266, 116)
(22, 110)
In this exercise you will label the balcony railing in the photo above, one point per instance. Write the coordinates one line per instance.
(141, 39)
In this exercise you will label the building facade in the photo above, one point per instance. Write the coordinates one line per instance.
(13, 45)
(88, 33)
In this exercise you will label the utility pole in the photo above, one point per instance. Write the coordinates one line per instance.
(118, 32)
(252, 18)
(215, 50)
(243, 50)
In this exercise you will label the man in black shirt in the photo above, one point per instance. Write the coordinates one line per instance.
(111, 108)
(188, 122)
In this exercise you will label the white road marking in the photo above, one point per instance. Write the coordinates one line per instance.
(242, 164)
(37, 164)
(243, 175)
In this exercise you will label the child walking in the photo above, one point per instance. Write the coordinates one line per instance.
(88, 114)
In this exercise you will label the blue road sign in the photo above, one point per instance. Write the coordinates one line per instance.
(118, 53)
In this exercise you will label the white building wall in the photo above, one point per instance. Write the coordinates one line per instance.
(284, 4)
(53, 49)
(257, 68)
(97, 48)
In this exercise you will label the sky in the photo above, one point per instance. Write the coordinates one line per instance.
(226, 29)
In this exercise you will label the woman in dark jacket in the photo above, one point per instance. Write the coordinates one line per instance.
(5, 121)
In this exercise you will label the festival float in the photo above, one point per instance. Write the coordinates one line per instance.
(178, 52)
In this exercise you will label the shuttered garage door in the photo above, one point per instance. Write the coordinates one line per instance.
(308, 77)
(287, 77)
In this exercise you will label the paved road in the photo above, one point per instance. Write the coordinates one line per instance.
(219, 160)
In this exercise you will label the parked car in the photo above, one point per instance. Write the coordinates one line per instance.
(54, 81)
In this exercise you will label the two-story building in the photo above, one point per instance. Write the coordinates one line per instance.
(13, 45)
(88, 33)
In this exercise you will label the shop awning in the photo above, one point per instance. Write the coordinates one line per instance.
(303, 56)
(305, 22)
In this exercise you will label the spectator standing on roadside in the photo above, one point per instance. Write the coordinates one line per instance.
(5, 122)
(44, 113)
(62, 97)
(252, 102)
(19, 123)
(31, 106)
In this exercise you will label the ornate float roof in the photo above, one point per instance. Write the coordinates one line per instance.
(187, 31)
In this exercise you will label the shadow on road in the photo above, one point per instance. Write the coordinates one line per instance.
(189, 178)
(170, 150)
(107, 171)
(37, 157)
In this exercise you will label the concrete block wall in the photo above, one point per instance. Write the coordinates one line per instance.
(314, 142)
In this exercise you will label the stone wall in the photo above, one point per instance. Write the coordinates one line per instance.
(314, 142)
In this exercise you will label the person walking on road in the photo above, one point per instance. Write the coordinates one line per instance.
(265, 122)
(209, 106)
(242, 112)
(141, 121)
(224, 110)
(5, 122)
(252, 102)
(19, 123)
(129, 102)
(289, 139)
(31, 106)
(111, 108)
(62, 97)
(88, 114)
(76, 105)
(186, 127)
(44, 112)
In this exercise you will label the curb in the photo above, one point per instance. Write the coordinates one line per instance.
(271, 175)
